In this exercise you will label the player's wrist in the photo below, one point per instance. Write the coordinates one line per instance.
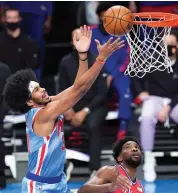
(109, 187)
(101, 59)
(83, 56)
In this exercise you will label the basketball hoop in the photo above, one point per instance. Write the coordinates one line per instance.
(147, 43)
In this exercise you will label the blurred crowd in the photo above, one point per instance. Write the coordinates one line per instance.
(27, 28)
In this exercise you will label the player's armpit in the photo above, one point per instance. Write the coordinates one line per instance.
(60, 95)
(104, 175)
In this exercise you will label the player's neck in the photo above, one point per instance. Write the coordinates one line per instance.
(131, 171)
(37, 106)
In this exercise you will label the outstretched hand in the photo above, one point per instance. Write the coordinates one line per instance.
(109, 47)
(83, 44)
(121, 182)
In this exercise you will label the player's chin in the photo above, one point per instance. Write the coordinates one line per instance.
(136, 161)
(134, 164)
(46, 100)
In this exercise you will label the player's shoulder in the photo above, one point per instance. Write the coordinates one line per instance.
(108, 170)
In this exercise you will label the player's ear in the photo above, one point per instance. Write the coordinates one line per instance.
(119, 158)
(30, 103)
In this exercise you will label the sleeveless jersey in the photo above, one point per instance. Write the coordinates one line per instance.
(136, 186)
(46, 154)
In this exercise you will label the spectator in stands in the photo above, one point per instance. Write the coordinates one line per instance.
(159, 95)
(86, 13)
(159, 6)
(90, 111)
(4, 74)
(115, 66)
(36, 19)
(17, 50)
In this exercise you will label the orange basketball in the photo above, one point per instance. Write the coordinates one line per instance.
(118, 20)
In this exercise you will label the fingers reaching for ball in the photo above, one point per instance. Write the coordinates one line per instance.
(117, 44)
(109, 47)
(109, 41)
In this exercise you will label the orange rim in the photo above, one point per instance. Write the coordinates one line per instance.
(170, 20)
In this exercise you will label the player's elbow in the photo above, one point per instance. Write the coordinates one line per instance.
(81, 89)
(83, 189)
(80, 190)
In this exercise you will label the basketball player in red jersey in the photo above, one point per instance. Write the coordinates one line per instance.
(119, 178)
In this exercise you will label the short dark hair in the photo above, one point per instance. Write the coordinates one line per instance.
(117, 148)
(103, 6)
(16, 92)
(10, 9)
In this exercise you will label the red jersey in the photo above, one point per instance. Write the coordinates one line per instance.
(136, 186)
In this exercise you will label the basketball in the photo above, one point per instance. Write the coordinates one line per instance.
(118, 20)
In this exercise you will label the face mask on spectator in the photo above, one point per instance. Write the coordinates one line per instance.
(12, 25)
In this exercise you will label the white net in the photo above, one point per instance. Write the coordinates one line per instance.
(148, 49)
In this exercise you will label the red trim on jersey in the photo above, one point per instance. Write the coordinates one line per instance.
(31, 186)
(34, 117)
(48, 137)
(121, 169)
(60, 127)
(41, 158)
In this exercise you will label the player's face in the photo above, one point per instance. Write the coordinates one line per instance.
(39, 96)
(131, 154)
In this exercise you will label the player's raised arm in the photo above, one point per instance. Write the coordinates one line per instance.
(83, 33)
(81, 85)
